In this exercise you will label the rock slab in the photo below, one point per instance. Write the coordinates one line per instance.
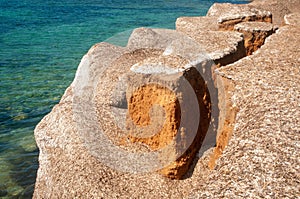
(261, 128)
(255, 34)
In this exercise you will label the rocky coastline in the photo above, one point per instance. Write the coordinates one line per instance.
(236, 137)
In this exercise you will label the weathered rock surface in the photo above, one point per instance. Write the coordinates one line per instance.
(258, 121)
(171, 78)
(255, 34)
(261, 159)
(230, 14)
(152, 38)
(196, 24)
(222, 47)
(292, 19)
(163, 96)
(191, 50)
(159, 79)
(228, 17)
(278, 8)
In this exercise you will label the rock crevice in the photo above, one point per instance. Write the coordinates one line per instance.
(157, 105)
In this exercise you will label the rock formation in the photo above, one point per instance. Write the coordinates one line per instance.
(223, 16)
(255, 34)
(135, 113)
(265, 92)
(231, 14)
(278, 8)
(160, 89)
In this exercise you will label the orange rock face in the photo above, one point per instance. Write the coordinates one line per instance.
(255, 34)
(179, 168)
(144, 108)
(163, 117)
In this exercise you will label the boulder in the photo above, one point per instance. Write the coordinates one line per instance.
(231, 14)
(223, 47)
(159, 119)
(145, 107)
(135, 113)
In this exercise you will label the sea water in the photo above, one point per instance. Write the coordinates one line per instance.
(41, 44)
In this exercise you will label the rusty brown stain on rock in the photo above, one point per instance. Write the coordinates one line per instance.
(68, 170)
(255, 34)
(144, 98)
(179, 168)
(139, 108)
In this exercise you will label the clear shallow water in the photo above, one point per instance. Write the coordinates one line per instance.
(41, 44)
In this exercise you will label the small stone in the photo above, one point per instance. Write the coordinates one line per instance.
(28, 143)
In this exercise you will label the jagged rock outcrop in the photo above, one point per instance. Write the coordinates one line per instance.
(231, 14)
(105, 139)
(261, 158)
(278, 8)
(223, 16)
(222, 47)
(255, 24)
(255, 34)
(161, 86)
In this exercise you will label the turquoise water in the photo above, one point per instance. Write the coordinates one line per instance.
(41, 44)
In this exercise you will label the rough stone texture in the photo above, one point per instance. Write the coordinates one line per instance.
(196, 24)
(255, 34)
(261, 159)
(292, 19)
(177, 106)
(178, 43)
(222, 47)
(69, 158)
(157, 78)
(153, 38)
(231, 14)
(227, 117)
(181, 103)
(278, 8)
